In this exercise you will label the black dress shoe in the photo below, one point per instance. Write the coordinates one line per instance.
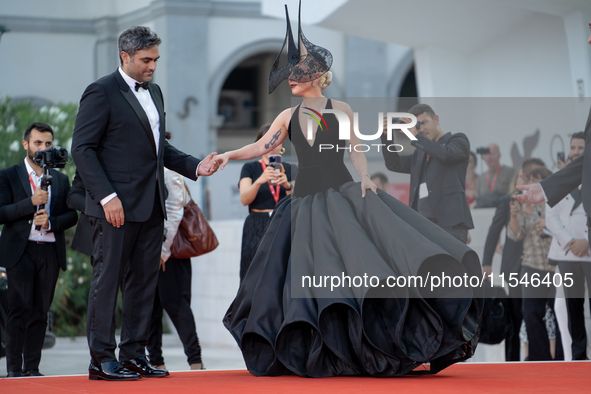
(14, 374)
(111, 370)
(142, 366)
(33, 372)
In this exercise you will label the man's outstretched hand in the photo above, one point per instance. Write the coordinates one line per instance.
(208, 165)
(532, 194)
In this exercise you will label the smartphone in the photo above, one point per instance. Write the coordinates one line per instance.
(560, 156)
(275, 162)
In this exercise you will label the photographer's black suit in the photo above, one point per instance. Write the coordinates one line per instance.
(32, 267)
(444, 172)
(114, 150)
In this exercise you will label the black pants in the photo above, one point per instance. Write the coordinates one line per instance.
(575, 302)
(31, 284)
(535, 300)
(174, 296)
(126, 257)
(512, 343)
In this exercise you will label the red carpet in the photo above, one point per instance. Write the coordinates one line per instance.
(564, 377)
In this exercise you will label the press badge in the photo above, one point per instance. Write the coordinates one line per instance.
(423, 190)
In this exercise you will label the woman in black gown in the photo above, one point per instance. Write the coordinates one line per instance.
(336, 228)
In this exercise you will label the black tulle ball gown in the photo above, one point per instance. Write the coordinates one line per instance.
(327, 229)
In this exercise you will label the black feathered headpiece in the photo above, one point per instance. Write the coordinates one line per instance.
(305, 63)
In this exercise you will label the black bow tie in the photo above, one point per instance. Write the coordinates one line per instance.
(141, 85)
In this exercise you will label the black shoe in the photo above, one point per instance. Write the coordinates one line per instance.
(111, 370)
(33, 372)
(14, 374)
(142, 366)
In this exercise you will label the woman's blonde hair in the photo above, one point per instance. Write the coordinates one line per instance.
(325, 80)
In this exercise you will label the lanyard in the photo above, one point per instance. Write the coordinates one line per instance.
(32, 183)
(274, 191)
(491, 187)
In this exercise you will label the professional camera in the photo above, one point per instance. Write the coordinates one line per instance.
(54, 157)
(399, 121)
(483, 151)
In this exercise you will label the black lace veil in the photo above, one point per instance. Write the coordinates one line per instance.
(305, 63)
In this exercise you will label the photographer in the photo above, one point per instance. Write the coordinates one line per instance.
(496, 182)
(34, 213)
(437, 171)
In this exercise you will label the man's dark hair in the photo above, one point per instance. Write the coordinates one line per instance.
(135, 39)
(418, 109)
(528, 164)
(380, 176)
(579, 134)
(42, 127)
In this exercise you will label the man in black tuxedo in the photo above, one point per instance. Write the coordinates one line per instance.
(32, 256)
(437, 171)
(120, 152)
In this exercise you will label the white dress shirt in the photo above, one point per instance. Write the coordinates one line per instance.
(42, 235)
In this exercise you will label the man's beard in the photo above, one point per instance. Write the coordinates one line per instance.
(31, 155)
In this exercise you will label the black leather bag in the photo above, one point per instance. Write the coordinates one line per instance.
(496, 323)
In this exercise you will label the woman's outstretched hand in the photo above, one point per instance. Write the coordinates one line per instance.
(221, 160)
(366, 183)
(208, 166)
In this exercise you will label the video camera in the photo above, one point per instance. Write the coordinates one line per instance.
(54, 157)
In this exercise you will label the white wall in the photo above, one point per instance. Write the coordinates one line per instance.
(70, 9)
(56, 67)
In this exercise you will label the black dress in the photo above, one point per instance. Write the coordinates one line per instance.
(285, 324)
(256, 222)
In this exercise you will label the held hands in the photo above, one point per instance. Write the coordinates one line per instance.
(114, 212)
(366, 183)
(42, 219)
(209, 165)
(222, 160)
(40, 197)
(533, 194)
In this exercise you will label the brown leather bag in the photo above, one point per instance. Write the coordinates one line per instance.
(194, 236)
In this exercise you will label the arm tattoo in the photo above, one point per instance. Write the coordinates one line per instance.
(273, 140)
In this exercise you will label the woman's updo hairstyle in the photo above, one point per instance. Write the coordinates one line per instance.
(325, 80)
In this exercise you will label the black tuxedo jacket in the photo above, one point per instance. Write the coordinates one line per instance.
(17, 211)
(445, 175)
(114, 149)
(559, 184)
(82, 241)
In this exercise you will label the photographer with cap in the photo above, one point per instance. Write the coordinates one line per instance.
(33, 245)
